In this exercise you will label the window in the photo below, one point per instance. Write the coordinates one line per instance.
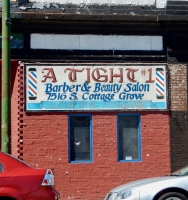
(129, 142)
(1, 167)
(80, 138)
(16, 40)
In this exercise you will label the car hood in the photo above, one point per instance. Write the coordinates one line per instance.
(142, 182)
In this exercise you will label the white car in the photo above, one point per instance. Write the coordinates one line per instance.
(170, 187)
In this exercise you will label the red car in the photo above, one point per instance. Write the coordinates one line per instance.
(18, 181)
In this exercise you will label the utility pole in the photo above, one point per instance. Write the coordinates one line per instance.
(6, 96)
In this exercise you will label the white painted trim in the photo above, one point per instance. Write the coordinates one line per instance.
(96, 42)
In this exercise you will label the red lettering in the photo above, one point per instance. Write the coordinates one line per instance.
(50, 74)
(99, 76)
(150, 76)
(116, 75)
(88, 75)
(130, 74)
(72, 74)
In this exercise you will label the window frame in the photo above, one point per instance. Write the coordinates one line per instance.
(139, 138)
(69, 139)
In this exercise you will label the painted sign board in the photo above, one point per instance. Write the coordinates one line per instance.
(81, 87)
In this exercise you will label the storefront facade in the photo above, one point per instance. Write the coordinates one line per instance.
(100, 99)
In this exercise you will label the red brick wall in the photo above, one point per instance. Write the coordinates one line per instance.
(15, 109)
(41, 140)
(16, 81)
(178, 115)
(45, 144)
(177, 87)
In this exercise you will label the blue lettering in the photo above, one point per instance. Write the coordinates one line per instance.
(85, 87)
(97, 87)
(53, 96)
(140, 96)
(83, 96)
(112, 96)
(91, 96)
(73, 96)
(137, 87)
(132, 96)
(77, 86)
(147, 87)
(122, 96)
(48, 87)
(71, 88)
(126, 96)
(65, 87)
(55, 88)
(61, 96)
(129, 87)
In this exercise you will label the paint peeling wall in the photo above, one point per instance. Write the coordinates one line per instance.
(107, 1)
(120, 2)
(115, 2)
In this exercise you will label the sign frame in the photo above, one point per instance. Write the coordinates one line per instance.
(109, 106)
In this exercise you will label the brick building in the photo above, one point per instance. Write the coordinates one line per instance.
(99, 91)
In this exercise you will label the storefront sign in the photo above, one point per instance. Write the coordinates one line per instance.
(95, 87)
